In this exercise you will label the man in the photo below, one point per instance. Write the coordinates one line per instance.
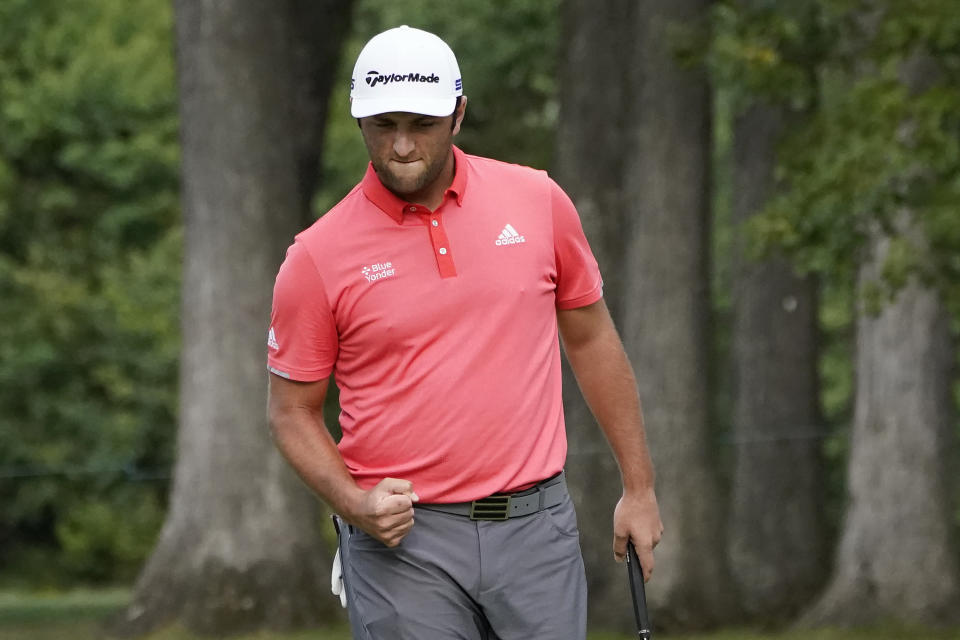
(434, 291)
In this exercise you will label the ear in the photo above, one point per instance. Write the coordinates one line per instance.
(458, 114)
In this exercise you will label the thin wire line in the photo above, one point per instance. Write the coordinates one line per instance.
(128, 471)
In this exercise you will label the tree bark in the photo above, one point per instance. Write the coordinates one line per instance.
(897, 560)
(776, 530)
(634, 151)
(590, 166)
(241, 547)
(667, 315)
(590, 156)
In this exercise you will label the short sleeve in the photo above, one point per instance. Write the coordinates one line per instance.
(302, 343)
(578, 276)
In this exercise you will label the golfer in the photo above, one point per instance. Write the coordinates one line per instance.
(435, 292)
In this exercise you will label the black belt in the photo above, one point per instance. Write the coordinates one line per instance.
(501, 506)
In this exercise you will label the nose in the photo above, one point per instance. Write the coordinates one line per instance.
(402, 144)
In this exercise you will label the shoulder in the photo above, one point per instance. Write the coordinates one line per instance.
(311, 251)
(523, 185)
(491, 168)
(325, 229)
(503, 178)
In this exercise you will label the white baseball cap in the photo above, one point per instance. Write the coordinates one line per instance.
(405, 69)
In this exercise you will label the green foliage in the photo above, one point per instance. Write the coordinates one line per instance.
(91, 243)
(767, 51)
(872, 146)
(89, 272)
(90, 238)
(881, 138)
(102, 542)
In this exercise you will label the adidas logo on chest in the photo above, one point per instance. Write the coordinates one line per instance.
(509, 236)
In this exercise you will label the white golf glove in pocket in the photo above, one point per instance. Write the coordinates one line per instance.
(336, 580)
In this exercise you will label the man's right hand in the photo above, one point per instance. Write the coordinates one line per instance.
(386, 511)
(296, 419)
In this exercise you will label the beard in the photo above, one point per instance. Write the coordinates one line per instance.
(409, 184)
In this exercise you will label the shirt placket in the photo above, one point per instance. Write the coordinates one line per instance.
(438, 240)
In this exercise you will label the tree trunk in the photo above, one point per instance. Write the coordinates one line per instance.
(241, 547)
(897, 560)
(589, 165)
(776, 534)
(667, 313)
(594, 95)
(634, 152)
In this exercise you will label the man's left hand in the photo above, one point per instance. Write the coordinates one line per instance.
(637, 518)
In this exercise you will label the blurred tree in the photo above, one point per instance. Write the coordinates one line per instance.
(897, 558)
(871, 195)
(241, 547)
(666, 326)
(653, 166)
(777, 544)
(589, 164)
(89, 249)
(854, 149)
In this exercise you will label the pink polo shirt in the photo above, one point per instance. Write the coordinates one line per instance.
(440, 327)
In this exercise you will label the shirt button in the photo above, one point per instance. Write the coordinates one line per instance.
(412, 209)
(443, 251)
(435, 223)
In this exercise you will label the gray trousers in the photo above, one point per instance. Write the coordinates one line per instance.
(455, 578)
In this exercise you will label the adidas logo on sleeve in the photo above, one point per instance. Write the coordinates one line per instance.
(509, 235)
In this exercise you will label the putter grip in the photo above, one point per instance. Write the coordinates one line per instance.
(639, 593)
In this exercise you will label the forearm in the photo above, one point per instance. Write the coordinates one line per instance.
(302, 437)
(608, 385)
(606, 380)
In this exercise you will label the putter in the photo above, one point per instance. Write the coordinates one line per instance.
(638, 592)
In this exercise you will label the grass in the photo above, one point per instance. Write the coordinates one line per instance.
(76, 615)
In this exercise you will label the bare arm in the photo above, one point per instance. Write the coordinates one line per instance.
(296, 420)
(608, 385)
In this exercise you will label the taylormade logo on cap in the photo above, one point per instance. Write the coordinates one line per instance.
(405, 69)
(375, 77)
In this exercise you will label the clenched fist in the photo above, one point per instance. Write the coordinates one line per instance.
(386, 512)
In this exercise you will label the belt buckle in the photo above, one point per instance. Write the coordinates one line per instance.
(495, 507)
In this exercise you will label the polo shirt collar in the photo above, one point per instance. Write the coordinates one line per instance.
(393, 206)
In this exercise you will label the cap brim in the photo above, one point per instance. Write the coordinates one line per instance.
(361, 108)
